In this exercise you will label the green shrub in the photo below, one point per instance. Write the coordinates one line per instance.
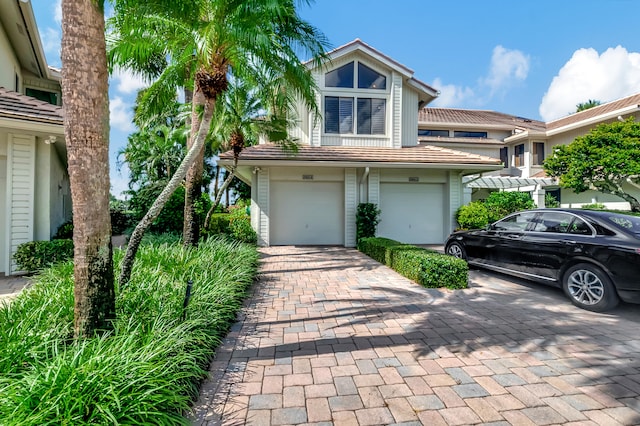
(219, 224)
(472, 216)
(501, 203)
(121, 220)
(65, 231)
(550, 201)
(36, 255)
(240, 225)
(148, 370)
(367, 219)
(594, 206)
(426, 267)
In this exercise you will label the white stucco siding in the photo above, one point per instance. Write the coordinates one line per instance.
(21, 152)
(409, 117)
(374, 186)
(263, 202)
(455, 199)
(9, 65)
(356, 140)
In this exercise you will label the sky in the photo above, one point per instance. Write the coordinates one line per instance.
(535, 59)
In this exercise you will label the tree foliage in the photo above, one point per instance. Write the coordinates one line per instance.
(602, 160)
(587, 105)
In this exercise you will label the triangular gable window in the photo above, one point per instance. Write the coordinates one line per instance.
(340, 77)
(370, 79)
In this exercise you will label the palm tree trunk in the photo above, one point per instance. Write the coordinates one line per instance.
(222, 190)
(86, 129)
(174, 182)
(193, 181)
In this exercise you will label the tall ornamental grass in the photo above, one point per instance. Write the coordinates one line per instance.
(147, 371)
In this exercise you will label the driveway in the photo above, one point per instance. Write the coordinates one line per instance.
(331, 336)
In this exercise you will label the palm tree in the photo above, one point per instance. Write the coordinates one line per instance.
(86, 131)
(202, 41)
(243, 116)
(587, 105)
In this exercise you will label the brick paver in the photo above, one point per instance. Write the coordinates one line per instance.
(330, 336)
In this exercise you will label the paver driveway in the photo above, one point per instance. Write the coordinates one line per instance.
(331, 336)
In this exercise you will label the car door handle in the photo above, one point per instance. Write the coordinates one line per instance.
(569, 242)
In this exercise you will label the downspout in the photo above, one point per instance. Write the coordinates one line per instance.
(363, 198)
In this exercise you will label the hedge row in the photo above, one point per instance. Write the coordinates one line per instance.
(426, 267)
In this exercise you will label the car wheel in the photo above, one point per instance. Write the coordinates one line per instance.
(456, 250)
(589, 288)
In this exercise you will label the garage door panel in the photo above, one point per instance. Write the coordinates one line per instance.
(412, 213)
(310, 213)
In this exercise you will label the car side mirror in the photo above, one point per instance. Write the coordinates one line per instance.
(489, 227)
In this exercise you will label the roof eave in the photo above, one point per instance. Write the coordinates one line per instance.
(383, 165)
(594, 120)
(27, 125)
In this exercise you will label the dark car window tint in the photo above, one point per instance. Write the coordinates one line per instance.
(515, 223)
(629, 224)
(579, 226)
(556, 222)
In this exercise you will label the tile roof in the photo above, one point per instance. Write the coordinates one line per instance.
(414, 155)
(482, 118)
(629, 101)
(21, 107)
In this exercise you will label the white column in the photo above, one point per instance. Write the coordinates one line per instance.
(538, 196)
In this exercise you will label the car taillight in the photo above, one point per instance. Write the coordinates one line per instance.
(638, 250)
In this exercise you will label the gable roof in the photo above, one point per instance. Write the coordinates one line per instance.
(359, 45)
(17, 106)
(599, 113)
(381, 157)
(478, 118)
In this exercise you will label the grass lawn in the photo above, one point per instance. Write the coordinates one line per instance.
(149, 369)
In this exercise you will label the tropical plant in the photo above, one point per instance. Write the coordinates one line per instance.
(86, 132)
(550, 201)
(197, 44)
(587, 105)
(502, 203)
(605, 159)
(367, 219)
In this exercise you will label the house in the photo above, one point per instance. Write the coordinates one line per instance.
(363, 149)
(34, 184)
(522, 144)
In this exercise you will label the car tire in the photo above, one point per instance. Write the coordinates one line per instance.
(456, 250)
(589, 287)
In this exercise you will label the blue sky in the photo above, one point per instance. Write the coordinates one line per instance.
(535, 59)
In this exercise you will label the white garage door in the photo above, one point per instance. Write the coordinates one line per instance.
(306, 213)
(412, 213)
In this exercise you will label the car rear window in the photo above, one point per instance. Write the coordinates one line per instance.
(629, 224)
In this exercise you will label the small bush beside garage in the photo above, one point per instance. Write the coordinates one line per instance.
(426, 267)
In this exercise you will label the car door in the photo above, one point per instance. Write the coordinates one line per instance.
(504, 241)
(552, 239)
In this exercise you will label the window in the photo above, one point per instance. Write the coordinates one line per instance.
(538, 153)
(518, 154)
(371, 116)
(428, 132)
(338, 115)
(340, 77)
(17, 83)
(504, 156)
(42, 95)
(515, 223)
(465, 134)
(553, 222)
(370, 79)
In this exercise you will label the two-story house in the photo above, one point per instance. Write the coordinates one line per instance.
(363, 149)
(34, 185)
(522, 145)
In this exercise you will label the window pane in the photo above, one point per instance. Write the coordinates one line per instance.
(538, 153)
(378, 116)
(465, 134)
(364, 116)
(370, 79)
(517, 222)
(553, 222)
(519, 154)
(429, 132)
(346, 115)
(340, 77)
(504, 156)
(331, 114)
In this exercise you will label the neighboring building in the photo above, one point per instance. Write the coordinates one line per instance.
(522, 145)
(363, 149)
(34, 184)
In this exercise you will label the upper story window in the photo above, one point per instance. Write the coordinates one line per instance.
(504, 156)
(465, 134)
(370, 79)
(430, 132)
(338, 114)
(538, 153)
(42, 95)
(518, 155)
(340, 77)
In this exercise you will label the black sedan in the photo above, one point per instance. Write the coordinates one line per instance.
(593, 255)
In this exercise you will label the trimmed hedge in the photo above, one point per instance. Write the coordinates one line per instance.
(36, 255)
(426, 267)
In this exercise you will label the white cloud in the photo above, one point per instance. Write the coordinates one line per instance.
(57, 11)
(451, 95)
(51, 42)
(128, 82)
(587, 75)
(121, 115)
(119, 181)
(507, 66)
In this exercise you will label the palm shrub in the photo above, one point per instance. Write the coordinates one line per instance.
(367, 219)
(550, 201)
(147, 370)
(36, 255)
